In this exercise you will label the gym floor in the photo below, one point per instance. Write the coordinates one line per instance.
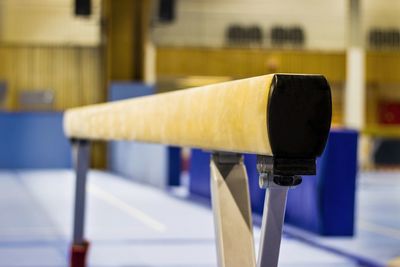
(134, 225)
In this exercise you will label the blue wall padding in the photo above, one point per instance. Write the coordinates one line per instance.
(174, 166)
(127, 158)
(33, 140)
(199, 172)
(125, 90)
(325, 203)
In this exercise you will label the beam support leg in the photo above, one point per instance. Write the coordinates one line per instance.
(80, 246)
(232, 212)
(277, 179)
(272, 226)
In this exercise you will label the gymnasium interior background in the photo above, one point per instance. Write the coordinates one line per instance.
(59, 54)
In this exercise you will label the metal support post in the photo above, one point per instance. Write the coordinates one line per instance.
(81, 159)
(272, 224)
(277, 187)
(232, 212)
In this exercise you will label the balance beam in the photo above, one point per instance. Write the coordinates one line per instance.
(284, 114)
(283, 118)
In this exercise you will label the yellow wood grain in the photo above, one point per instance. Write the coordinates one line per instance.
(230, 116)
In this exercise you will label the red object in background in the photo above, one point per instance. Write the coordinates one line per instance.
(78, 255)
(185, 164)
(389, 112)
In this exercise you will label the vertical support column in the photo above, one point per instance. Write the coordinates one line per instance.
(128, 40)
(272, 226)
(81, 165)
(355, 91)
(232, 212)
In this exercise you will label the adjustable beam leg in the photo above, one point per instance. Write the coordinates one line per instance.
(277, 187)
(232, 212)
(272, 224)
(81, 165)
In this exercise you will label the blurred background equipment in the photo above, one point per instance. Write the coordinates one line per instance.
(281, 36)
(83, 7)
(237, 35)
(36, 100)
(3, 94)
(166, 11)
(380, 38)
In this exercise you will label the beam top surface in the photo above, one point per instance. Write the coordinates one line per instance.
(285, 115)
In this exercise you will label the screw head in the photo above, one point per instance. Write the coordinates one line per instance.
(263, 180)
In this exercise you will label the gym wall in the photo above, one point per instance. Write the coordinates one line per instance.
(204, 23)
(64, 56)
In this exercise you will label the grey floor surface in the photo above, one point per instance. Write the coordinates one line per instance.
(133, 225)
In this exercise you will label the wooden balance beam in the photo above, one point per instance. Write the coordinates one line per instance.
(283, 118)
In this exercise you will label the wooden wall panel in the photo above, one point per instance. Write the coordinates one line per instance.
(383, 67)
(173, 61)
(75, 74)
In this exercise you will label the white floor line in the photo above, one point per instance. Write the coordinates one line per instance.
(379, 229)
(129, 209)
